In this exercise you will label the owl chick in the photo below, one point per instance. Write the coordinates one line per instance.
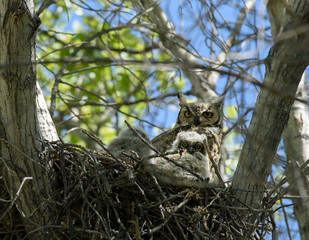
(200, 115)
(164, 141)
(126, 141)
(168, 173)
(190, 142)
(189, 159)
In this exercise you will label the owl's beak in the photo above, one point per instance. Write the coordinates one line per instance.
(190, 149)
(197, 121)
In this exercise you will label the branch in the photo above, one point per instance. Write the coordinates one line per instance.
(175, 45)
(16, 196)
(213, 76)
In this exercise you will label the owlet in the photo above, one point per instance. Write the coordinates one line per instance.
(187, 163)
(128, 141)
(189, 141)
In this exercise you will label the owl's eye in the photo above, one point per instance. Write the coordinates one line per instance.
(207, 114)
(198, 146)
(183, 144)
(188, 114)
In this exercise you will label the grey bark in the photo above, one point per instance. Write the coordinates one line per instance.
(285, 65)
(296, 144)
(24, 122)
(295, 135)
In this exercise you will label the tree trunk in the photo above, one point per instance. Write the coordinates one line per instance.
(285, 65)
(295, 135)
(24, 122)
(296, 144)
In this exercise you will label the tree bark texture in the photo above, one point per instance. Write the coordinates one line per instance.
(296, 144)
(295, 135)
(295, 138)
(285, 64)
(23, 121)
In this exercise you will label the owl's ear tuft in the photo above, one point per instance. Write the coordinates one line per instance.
(182, 99)
(218, 102)
(219, 105)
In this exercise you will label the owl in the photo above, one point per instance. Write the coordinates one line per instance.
(205, 118)
(187, 162)
(200, 115)
(198, 142)
(194, 142)
(128, 141)
(189, 141)
(203, 145)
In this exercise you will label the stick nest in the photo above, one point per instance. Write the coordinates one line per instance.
(99, 197)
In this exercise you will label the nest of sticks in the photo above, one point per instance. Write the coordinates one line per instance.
(99, 197)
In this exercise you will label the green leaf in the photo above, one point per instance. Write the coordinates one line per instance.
(231, 112)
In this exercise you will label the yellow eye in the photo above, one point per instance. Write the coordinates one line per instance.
(198, 146)
(207, 114)
(184, 144)
(188, 114)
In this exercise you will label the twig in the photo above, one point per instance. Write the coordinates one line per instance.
(174, 210)
(282, 191)
(16, 196)
(286, 220)
(169, 198)
(97, 140)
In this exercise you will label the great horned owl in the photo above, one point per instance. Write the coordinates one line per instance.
(190, 142)
(187, 162)
(203, 145)
(168, 173)
(174, 140)
(127, 141)
(200, 115)
(194, 142)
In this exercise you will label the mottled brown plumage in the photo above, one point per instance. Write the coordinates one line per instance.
(204, 119)
(200, 115)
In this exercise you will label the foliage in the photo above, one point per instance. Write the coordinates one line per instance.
(102, 65)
